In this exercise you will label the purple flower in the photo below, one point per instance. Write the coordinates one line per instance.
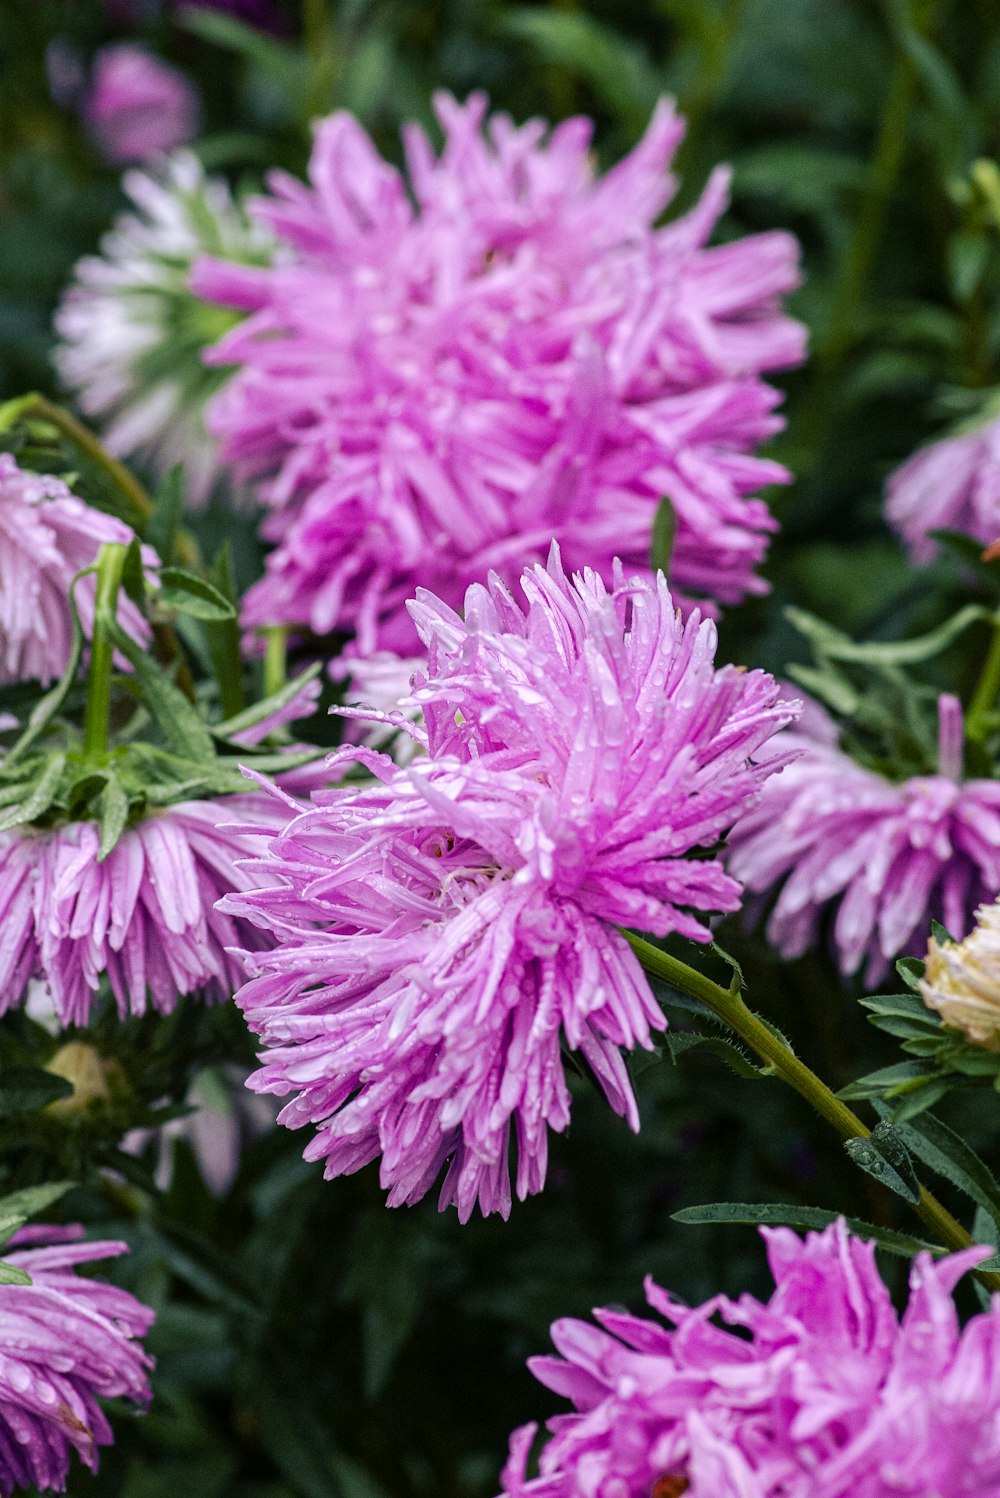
(881, 858)
(950, 485)
(438, 932)
(822, 1392)
(145, 917)
(137, 105)
(65, 1342)
(433, 391)
(47, 535)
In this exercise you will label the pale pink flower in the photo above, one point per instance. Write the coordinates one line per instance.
(950, 485)
(47, 535)
(66, 1341)
(876, 859)
(436, 934)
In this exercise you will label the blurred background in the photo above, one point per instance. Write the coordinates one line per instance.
(310, 1343)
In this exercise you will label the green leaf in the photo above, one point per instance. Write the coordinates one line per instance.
(168, 511)
(286, 65)
(619, 71)
(777, 1214)
(223, 639)
(182, 725)
(884, 1156)
(113, 809)
(25, 1089)
(945, 1152)
(193, 595)
(41, 797)
(664, 534)
(133, 574)
(10, 1274)
(48, 706)
(31, 1200)
(251, 716)
(835, 645)
(678, 1042)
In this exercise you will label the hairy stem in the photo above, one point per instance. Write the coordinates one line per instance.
(728, 1005)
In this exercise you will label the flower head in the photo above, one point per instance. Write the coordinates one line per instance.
(442, 375)
(819, 1393)
(47, 535)
(137, 105)
(65, 1342)
(962, 980)
(881, 858)
(440, 931)
(145, 916)
(953, 485)
(132, 333)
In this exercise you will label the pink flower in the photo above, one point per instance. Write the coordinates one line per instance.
(822, 1392)
(137, 105)
(950, 485)
(65, 1342)
(47, 535)
(429, 392)
(880, 858)
(145, 917)
(436, 934)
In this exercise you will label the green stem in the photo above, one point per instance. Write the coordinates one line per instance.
(317, 37)
(83, 439)
(110, 564)
(728, 1005)
(275, 662)
(984, 698)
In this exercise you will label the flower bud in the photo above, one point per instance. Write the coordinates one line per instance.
(962, 980)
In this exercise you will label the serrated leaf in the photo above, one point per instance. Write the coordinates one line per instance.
(193, 595)
(679, 1042)
(25, 1089)
(773, 1214)
(884, 1156)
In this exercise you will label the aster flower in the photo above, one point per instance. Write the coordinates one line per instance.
(137, 105)
(954, 485)
(822, 1392)
(65, 1342)
(962, 980)
(47, 535)
(428, 392)
(144, 915)
(437, 933)
(131, 332)
(882, 859)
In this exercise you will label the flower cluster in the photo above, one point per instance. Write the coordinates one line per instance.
(962, 980)
(439, 931)
(132, 333)
(953, 485)
(65, 1342)
(47, 536)
(437, 390)
(882, 858)
(819, 1393)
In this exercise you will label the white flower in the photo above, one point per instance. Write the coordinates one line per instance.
(132, 333)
